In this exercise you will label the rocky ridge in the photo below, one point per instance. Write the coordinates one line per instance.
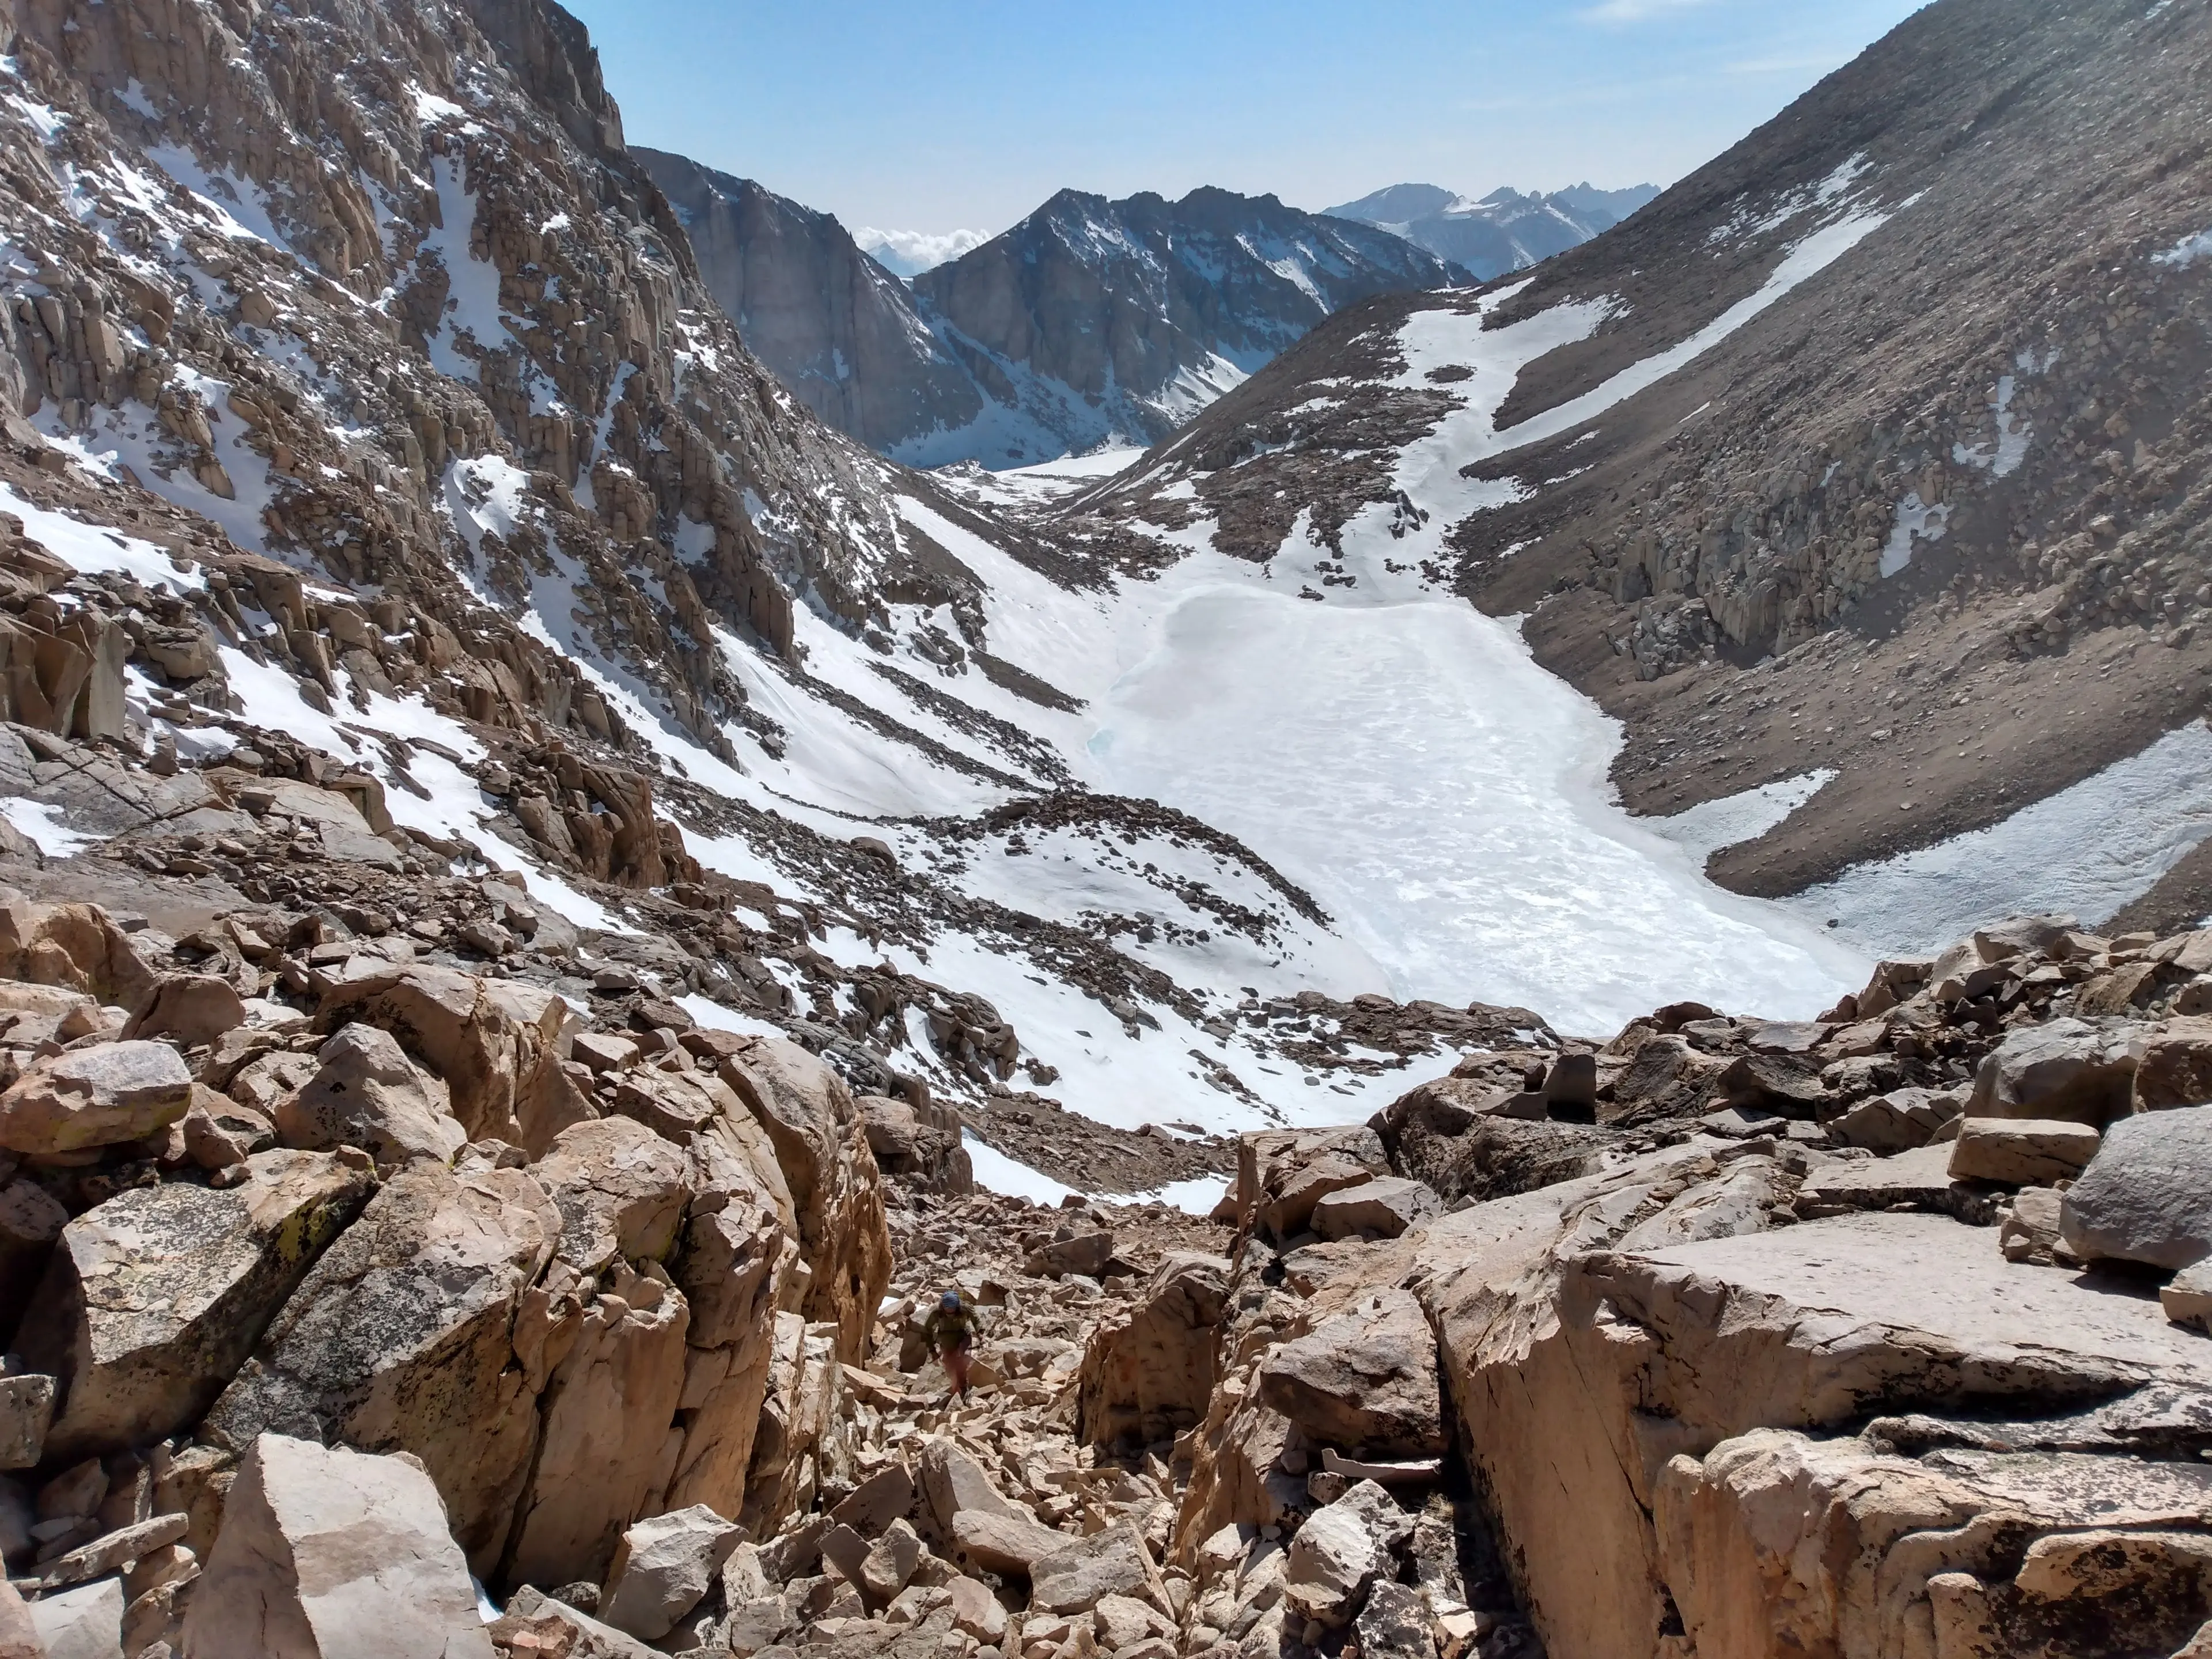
(842, 333)
(1146, 310)
(403, 450)
(1089, 323)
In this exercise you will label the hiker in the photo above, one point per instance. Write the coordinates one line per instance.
(952, 1332)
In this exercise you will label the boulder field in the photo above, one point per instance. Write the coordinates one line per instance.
(410, 1312)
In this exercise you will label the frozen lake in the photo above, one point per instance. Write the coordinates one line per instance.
(1445, 798)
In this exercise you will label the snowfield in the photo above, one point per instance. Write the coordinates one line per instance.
(1445, 798)
(1400, 757)
(1389, 750)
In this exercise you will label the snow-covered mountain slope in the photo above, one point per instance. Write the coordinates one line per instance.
(1876, 451)
(1088, 324)
(1185, 791)
(1094, 322)
(1506, 231)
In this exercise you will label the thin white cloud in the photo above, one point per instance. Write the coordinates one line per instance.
(1637, 11)
(1821, 61)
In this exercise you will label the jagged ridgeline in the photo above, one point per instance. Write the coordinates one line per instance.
(554, 907)
(1091, 323)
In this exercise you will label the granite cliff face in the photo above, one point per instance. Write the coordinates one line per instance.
(838, 330)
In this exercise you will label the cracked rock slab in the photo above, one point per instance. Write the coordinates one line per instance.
(155, 1298)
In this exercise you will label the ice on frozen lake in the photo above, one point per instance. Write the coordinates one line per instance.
(1443, 798)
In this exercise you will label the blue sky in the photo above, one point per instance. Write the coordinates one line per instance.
(932, 115)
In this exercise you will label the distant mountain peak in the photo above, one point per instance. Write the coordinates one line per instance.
(910, 253)
(1506, 230)
(1399, 204)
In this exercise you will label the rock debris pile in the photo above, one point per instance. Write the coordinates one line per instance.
(323, 1305)
(348, 1289)
(1882, 1333)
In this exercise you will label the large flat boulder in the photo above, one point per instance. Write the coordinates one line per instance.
(324, 1552)
(2021, 1152)
(345, 832)
(1004, 1543)
(2146, 1196)
(1922, 1179)
(558, 1628)
(1114, 1562)
(496, 1046)
(1342, 1550)
(2067, 1068)
(664, 1568)
(1461, 1153)
(403, 1338)
(620, 1188)
(1386, 1207)
(884, 1497)
(103, 1096)
(1897, 1122)
(155, 1299)
(2173, 1065)
(953, 1483)
(908, 1146)
(78, 947)
(1778, 1542)
(84, 1623)
(1148, 1377)
(1579, 1370)
(1084, 1251)
(191, 1008)
(366, 1093)
(1281, 1173)
(1364, 1380)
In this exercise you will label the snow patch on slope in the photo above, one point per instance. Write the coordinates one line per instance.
(472, 302)
(2092, 850)
(2187, 252)
(996, 1172)
(443, 801)
(91, 548)
(1431, 471)
(42, 825)
(1917, 522)
(1713, 826)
